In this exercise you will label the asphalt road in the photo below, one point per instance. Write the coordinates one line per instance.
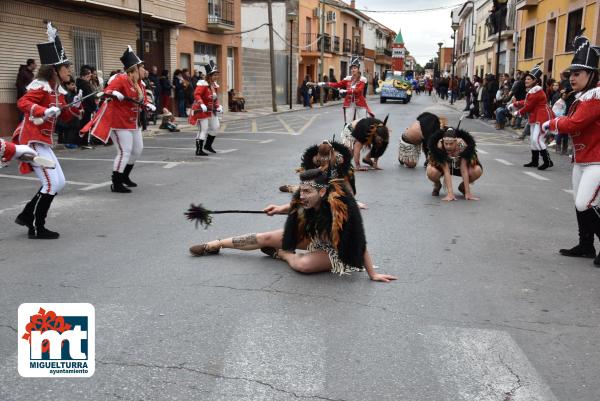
(484, 308)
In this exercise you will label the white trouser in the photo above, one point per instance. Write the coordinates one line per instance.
(53, 180)
(538, 137)
(206, 125)
(586, 186)
(129, 144)
(353, 112)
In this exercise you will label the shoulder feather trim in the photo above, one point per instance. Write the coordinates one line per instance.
(39, 84)
(348, 78)
(216, 85)
(363, 79)
(592, 94)
(62, 90)
(535, 89)
(202, 83)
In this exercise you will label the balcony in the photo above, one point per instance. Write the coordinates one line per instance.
(383, 56)
(347, 46)
(382, 51)
(499, 20)
(220, 15)
(311, 42)
(358, 48)
(336, 44)
(527, 4)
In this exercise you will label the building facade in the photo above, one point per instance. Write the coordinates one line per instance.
(92, 33)
(546, 29)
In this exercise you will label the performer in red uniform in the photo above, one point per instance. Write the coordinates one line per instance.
(205, 108)
(355, 104)
(536, 105)
(43, 103)
(118, 118)
(583, 125)
(9, 151)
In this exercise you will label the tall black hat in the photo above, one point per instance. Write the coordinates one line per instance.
(211, 68)
(355, 60)
(536, 72)
(586, 56)
(52, 52)
(129, 58)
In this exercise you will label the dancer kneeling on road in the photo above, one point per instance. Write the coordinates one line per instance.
(453, 153)
(367, 133)
(416, 138)
(324, 219)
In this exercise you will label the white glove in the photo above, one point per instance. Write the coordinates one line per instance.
(510, 107)
(118, 95)
(343, 91)
(21, 150)
(220, 109)
(546, 126)
(52, 111)
(150, 107)
(204, 108)
(77, 99)
(321, 84)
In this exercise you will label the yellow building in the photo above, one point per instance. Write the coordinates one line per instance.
(547, 28)
(484, 52)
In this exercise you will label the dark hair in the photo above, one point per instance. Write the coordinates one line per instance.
(592, 80)
(430, 123)
(30, 61)
(46, 73)
(84, 70)
(316, 175)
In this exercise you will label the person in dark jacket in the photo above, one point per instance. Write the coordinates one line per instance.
(155, 85)
(89, 104)
(165, 90)
(24, 78)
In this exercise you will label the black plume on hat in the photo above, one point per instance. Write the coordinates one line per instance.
(129, 58)
(52, 52)
(586, 56)
(536, 71)
(211, 68)
(355, 60)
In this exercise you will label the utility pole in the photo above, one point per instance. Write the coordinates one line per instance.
(322, 42)
(141, 16)
(272, 57)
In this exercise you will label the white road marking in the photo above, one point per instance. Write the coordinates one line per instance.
(308, 124)
(18, 177)
(220, 138)
(267, 141)
(171, 165)
(569, 191)
(536, 176)
(139, 161)
(263, 132)
(483, 152)
(506, 163)
(227, 151)
(96, 186)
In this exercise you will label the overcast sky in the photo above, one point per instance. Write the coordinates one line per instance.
(421, 30)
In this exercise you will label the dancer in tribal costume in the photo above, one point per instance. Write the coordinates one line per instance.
(453, 152)
(353, 86)
(370, 134)
(416, 137)
(536, 105)
(204, 110)
(42, 105)
(583, 125)
(324, 219)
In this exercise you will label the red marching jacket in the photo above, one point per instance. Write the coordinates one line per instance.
(40, 96)
(204, 94)
(116, 114)
(354, 91)
(583, 125)
(536, 104)
(7, 151)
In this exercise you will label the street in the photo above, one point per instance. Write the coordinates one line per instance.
(484, 307)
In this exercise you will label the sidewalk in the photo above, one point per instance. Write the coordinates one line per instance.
(251, 114)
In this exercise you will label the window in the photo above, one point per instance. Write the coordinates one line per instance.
(479, 35)
(529, 41)
(573, 27)
(87, 48)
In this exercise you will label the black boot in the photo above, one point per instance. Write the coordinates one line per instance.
(39, 222)
(547, 161)
(585, 248)
(126, 180)
(199, 146)
(209, 141)
(535, 159)
(591, 217)
(25, 218)
(117, 183)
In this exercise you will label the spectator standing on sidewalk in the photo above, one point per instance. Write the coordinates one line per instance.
(165, 90)
(518, 92)
(306, 91)
(89, 104)
(24, 78)
(179, 85)
(155, 85)
(468, 93)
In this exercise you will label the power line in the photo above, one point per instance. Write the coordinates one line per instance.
(419, 10)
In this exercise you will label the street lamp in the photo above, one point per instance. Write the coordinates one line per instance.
(291, 16)
(454, 27)
(439, 63)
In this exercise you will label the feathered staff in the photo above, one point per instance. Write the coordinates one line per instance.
(202, 216)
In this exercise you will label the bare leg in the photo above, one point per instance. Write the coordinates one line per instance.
(312, 262)
(249, 242)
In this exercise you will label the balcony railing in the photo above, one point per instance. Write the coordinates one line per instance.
(358, 48)
(310, 42)
(220, 14)
(336, 44)
(496, 20)
(382, 51)
(347, 46)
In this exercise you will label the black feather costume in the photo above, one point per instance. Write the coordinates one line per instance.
(438, 157)
(337, 222)
(340, 168)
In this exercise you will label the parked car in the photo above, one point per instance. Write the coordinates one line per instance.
(394, 86)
